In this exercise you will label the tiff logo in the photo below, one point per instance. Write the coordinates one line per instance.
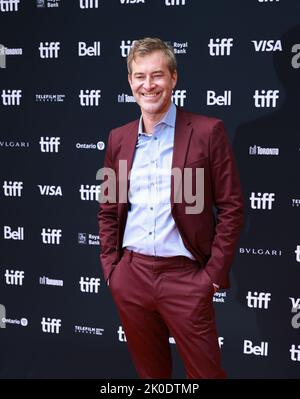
(49, 49)
(14, 277)
(121, 334)
(84, 50)
(50, 325)
(295, 309)
(175, 2)
(125, 47)
(258, 300)
(90, 192)
(297, 252)
(295, 353)
(9, 5)
(11, 97)
(49, 144)
(88, 4)
(220, 47)
(90, 98)
(51, 236)
(266, 98)
(89, 284)
(13, 188)
(258, 350)
(296, 58)
(9, 234)
(262, 201)
(178, 97)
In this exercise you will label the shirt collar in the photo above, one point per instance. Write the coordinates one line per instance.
(168, 119)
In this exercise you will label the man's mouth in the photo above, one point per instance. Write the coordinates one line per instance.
(150, 95)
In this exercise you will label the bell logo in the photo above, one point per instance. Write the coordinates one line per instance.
(259, 350)
(92, 51)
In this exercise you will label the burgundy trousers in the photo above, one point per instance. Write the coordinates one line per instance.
(157, 297)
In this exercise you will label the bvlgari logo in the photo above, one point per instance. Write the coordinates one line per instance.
(260, 251)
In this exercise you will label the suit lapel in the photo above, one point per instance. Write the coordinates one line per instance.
(183, 130)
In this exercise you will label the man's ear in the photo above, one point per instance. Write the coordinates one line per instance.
(129, 79)
(174, 78)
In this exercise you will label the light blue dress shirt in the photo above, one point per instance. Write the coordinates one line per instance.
(150, 228)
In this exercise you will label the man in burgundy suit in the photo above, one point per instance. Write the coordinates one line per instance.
(168, 228)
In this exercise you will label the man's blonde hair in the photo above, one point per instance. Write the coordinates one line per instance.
(148, 45)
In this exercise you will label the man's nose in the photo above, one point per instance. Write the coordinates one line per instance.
(148, 83)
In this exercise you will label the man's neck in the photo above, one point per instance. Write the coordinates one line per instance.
(150, 120)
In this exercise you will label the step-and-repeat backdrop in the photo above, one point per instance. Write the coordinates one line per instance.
(63, 86)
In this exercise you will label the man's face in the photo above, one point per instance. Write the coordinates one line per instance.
(152, 83)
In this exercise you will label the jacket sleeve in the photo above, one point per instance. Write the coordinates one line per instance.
(107, 219)
(228, 201)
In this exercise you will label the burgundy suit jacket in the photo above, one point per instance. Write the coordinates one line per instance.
(211, 236)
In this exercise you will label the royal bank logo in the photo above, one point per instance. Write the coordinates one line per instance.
(11, 97)
(12, 188)
(220, 100)
(90, 192)
(266, 98)
(220, 47)
(267, 45)
(48, 3)
(258, 300)
(220, 297)
(85, 4)
(49, 49)
(9, 5)
(100, 146)
(257, 350)
(50, 98)
(296, 58)
(260, 251)
(257, 150)
(89, 51)
(88, 330)
(179, 47)
(88, 239)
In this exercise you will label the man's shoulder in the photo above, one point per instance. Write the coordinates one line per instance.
(125, 129)
(199, 119)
